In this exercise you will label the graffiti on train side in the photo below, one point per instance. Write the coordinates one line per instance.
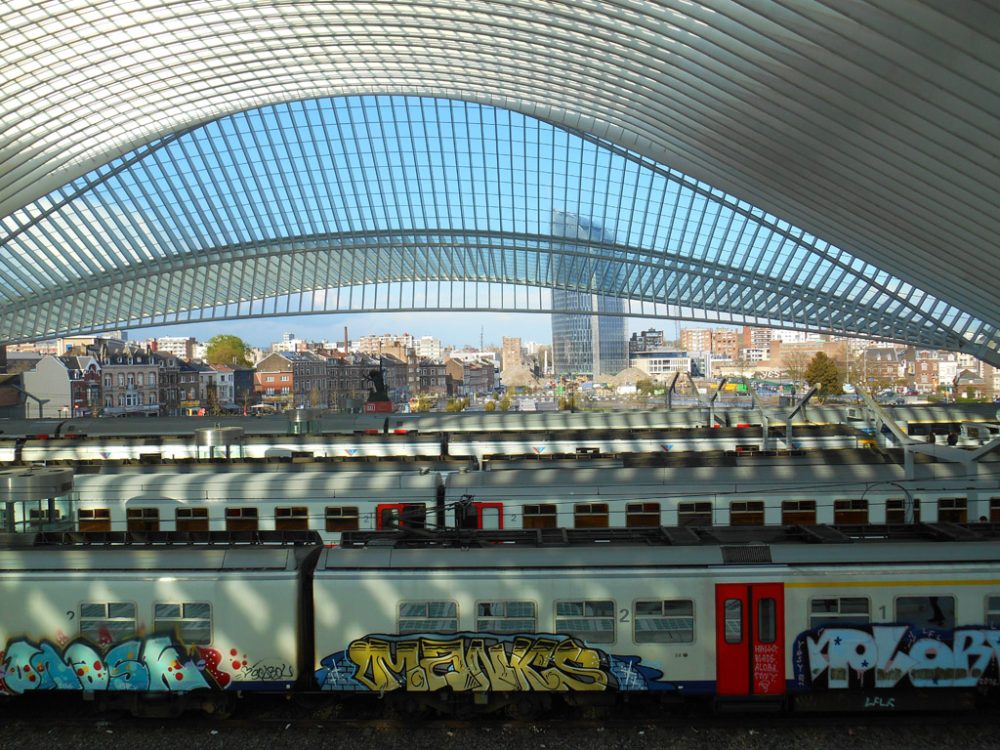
(157, 663)
(479, 662)
(896, 656)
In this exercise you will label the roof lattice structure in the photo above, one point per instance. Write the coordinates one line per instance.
(810, 165)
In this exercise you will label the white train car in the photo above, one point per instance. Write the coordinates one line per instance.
(807, 492)
(858, 624)
(155, 618)
(170, 499)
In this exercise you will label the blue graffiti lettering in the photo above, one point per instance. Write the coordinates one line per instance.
(157, 663)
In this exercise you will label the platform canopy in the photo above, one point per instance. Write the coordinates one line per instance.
(824, 166)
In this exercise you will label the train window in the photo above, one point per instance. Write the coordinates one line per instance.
(106, 623)
(850, 511)
(142, 519)
(592, 621)
(926, 611)
(428, 617)
(291, 518)
(838, 611)
(642, 514)
(733, 620)
(341, 518)
(191, 519)
(590, 515)
(993, 611)
(694, 514)
(767, 621)
(539, 517)
(798, 512)
(995, 509)
(94, 519)
(190, 622)
(953, 509)
(241, 519)
(746, 513)
(38, 517)
(895, 510)
(664, 621)
(506, 617)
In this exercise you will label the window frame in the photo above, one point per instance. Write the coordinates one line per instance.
(158, 628)
(356, 516)
(426, 616)
(839, 617)
(108, 619)
(505, 602)
(663, 616)
(945, 626)
(238, 513)
(537, 514)
(579, 635)
(637, 513)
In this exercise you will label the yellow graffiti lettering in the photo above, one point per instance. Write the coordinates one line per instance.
(579, 667)
(385, 666)
(477, 664)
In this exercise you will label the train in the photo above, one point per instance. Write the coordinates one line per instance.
(747, 489)
(877, 617)
(473, 437)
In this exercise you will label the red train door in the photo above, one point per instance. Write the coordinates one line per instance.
(397, 515)
(477, 515)
(750, 638)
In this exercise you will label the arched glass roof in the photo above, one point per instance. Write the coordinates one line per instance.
(873, 125)
(381, 202)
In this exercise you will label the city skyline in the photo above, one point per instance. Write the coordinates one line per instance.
(457, 329)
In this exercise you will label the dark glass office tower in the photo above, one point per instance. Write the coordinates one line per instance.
(587, 342)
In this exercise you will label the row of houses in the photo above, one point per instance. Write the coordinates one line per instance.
(342, 381)
(141, 382)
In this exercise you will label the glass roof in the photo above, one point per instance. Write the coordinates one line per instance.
(392, 202)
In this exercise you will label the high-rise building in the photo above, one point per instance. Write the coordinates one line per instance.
(584, 340)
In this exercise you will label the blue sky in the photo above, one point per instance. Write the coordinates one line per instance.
(452, 328)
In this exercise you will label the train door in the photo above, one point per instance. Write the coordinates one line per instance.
(750, 639)
(397, 515)
(477, 515)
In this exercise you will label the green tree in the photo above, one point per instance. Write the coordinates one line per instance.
(225, 349)
(505, 403)
(823, 371)
(212, 405)
(490, 406)
(645, 387)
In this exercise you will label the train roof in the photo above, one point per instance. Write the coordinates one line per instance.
(495, 422)
(207, 552)
(669, 547)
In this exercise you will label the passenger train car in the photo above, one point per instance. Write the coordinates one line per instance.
(348, 438)
(300, 497)
(821, 617)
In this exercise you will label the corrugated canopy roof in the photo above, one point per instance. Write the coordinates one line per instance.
(812, 165)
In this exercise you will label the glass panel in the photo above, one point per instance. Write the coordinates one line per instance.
(93, 610)
(664, 621)
(834, 611)
(589, 621)
(766, 620)
(197, 610)
(166, 610)
(506, 617)
(993, 611)
(733, 609)
(121, 610)
(926, 611)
